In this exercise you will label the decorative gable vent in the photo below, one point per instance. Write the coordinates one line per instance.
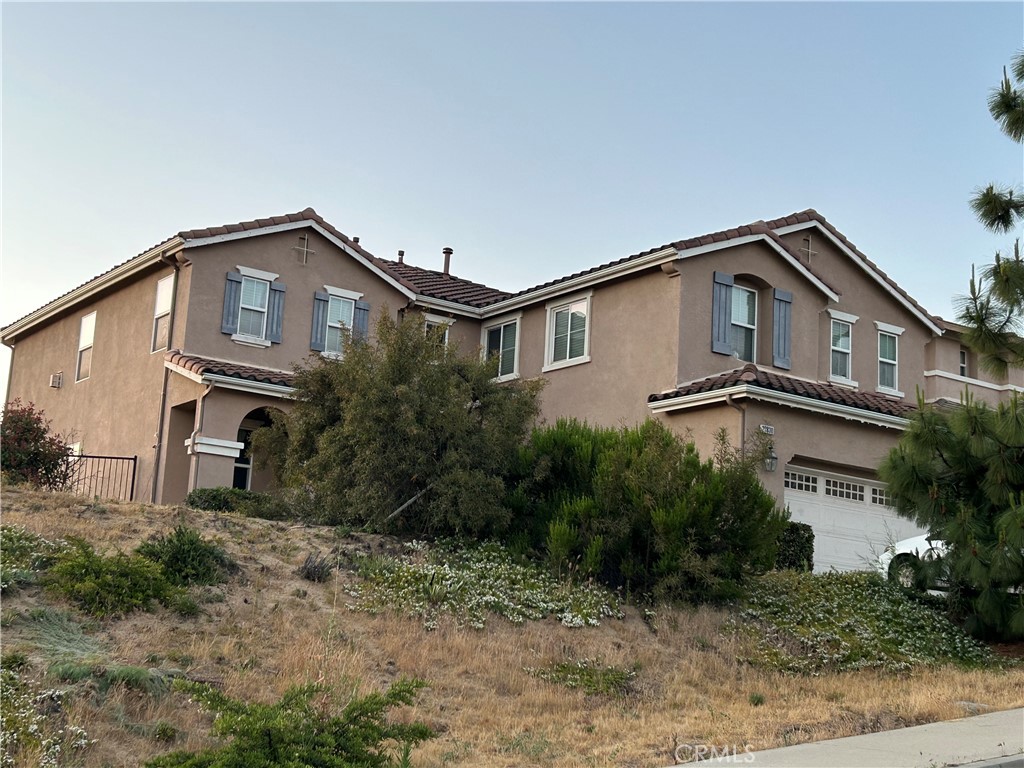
(56, 379)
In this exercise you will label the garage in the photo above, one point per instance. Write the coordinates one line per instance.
(850, 516)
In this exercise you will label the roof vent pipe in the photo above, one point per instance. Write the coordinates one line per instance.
(401, 257)
(447, 259)
(355, 240)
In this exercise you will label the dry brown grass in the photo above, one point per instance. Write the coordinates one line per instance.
(273, 630)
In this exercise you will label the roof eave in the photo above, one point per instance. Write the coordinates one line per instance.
(822, 407)
(133, 266)
(872, 273)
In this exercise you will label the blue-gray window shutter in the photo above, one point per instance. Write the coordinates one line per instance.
(232, 301)
(275, 313)
(782, 329)
(361, 322)
(721, 314)
(318, 336)
(781, 335)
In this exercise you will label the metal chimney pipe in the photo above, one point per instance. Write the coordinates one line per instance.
(401, 257)
(447, 259)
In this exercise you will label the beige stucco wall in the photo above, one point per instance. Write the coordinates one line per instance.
(274, 253)
(115, 411)
(633, 347)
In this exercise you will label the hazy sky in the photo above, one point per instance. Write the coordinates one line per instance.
(535, 139)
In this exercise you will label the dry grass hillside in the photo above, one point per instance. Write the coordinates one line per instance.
(267, 628)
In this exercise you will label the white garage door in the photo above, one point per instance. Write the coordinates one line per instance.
(851, 517)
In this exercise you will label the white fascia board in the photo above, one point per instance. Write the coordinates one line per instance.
(973, 382)
(214, 446)
(183, 372)
(872, 273)
(583, 281)
(429, 302)
(129, 268)
(292, 225)
(780, 398)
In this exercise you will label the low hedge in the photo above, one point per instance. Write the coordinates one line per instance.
(248, 503)
(796, 547)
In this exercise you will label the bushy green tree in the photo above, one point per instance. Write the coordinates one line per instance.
(298, 731)
(29, 451)
(404, 432)
(636, 507)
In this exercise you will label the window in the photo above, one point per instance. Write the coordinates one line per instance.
(500, 341)
(887, 361)
(798, 481)
(242, 476)
(743, 331)
(337, 313)
(881, 497)
(433, 322)
(253, 307)
(840, 489)
(568, 335)
(340, 312)
(841, 349)
(162, 313)
(85, 337)
(965, 370)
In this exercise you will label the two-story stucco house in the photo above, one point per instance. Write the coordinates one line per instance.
(781, 326)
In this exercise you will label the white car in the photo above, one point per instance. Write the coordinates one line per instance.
(901, 562)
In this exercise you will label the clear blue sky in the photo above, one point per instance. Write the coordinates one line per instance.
(535, 139)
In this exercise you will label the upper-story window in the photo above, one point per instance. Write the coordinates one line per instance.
(439, 325)
(743, 330)
(337, 314)
(501, 341)
(841, 347)
(162, 313)
(86, 332)
(735, 314)
(965, 369)
(253, 307)
(568, 333)
(888, 358)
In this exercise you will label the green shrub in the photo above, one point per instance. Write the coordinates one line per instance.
(266, 506)
(316, 567)
(107, 586)
(29, 452)
(589, 676)
(24, 555)
(293, 732)
(796, 547)
(638, 509)
(187, 558)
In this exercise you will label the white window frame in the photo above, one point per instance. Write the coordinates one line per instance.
(341, 294)
(552, 308)
(516, 320)
(846, 319)
(165, 291)
(85, 344)
(965, 369)
(263, 276)
(733, 323)
(895, 331)
(436, 321)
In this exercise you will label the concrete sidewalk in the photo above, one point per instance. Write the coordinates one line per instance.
(982, 739)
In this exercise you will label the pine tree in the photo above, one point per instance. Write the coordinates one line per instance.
(960, 472)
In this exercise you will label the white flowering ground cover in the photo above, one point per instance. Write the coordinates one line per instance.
(588, 675)
(468, 582)
(833, 622)
(24, 555)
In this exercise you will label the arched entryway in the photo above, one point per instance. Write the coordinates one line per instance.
(246, 476)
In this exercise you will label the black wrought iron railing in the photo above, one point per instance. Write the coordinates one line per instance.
(105, 477)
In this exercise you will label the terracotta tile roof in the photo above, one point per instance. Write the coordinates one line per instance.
(753, 376)
(755, 228)
(426, 282)
(812, 215)
(438, 285)
(209, 365)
